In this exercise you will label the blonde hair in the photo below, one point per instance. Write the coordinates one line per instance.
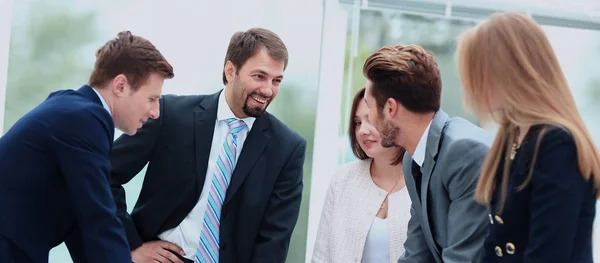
(510, 57)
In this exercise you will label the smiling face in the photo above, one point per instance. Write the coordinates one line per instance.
(252, 87)
(367, 136)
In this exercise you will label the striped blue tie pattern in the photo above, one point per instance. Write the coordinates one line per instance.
(208, 245)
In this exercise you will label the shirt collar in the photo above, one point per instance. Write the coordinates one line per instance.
(419, 156)
(224, 112)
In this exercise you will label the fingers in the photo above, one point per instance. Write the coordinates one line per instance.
(172, 247)
(157, 251)
(166, 256)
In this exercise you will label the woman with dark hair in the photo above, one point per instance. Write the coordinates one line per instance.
(367, 207)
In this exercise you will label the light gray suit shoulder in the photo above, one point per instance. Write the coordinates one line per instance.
(446, 217)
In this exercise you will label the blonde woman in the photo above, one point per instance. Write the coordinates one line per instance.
(542, 174)
(367, 207)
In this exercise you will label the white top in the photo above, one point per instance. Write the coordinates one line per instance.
(419, 155)
(377, 246)
(187, 234)
(351, 205)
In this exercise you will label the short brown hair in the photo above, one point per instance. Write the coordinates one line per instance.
(356, 149)
(244, 45)
(406, 73)
(130, 55)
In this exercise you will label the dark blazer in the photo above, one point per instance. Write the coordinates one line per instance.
(551, 220)
(54, 166)
(447, 224)
(261, 204)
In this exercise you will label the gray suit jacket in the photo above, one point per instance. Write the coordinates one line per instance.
(447, 224)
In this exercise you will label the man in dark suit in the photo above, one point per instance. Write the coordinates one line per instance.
(54, 161)
(443, 160)
(224, 179)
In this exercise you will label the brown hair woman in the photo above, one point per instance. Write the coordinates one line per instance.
(542, 174)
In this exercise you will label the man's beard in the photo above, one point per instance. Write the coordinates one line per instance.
(389, 134)
(250, 112)
(255, 111)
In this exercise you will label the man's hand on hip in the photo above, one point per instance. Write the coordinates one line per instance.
(156, 251)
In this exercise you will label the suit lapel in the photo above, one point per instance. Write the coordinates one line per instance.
(411, 184)
(204, 126)
(254, 146)
(431, 150)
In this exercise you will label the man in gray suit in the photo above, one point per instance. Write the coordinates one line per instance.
(443, 160)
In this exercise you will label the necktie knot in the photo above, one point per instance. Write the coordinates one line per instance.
(235, 125)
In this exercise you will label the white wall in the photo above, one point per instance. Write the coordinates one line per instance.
(5, 22)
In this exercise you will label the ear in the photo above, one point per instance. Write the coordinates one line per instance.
(230, 71)
(391, 107)
(119, 85)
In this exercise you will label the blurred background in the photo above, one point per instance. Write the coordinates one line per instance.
(50, 45)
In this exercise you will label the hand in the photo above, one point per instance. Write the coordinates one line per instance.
(156, 251)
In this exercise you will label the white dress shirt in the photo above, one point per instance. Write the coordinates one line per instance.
(419, 156)
(187, 234)
(350, 210)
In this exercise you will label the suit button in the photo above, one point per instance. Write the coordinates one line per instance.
(498, 251)
(491, 219)
(510, 248)
(224, 245)
(499, 219)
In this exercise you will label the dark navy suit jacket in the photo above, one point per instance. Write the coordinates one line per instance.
(551, 220)
(263, 199)
(54, 165)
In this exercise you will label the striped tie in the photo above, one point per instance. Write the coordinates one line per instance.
(208, 246)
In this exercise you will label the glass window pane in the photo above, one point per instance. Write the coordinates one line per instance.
(439, 35)
(386, 27)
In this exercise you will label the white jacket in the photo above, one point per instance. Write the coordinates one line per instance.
(351, 204)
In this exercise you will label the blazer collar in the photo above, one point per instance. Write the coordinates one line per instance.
(433, 144)
(435, 134)
(89, 93)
